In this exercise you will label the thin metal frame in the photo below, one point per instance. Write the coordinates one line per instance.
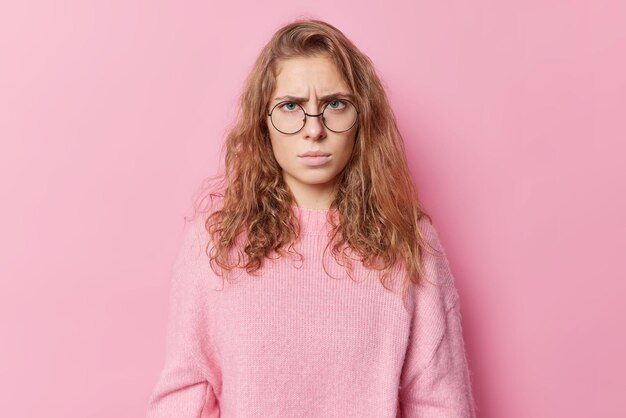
(313, 116)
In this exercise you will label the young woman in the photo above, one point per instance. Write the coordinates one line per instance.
(313, 284)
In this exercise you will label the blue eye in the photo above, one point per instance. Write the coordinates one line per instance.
(336, 104)
(289, 106)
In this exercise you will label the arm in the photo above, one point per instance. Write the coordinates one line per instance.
(435, 381)
(442, 389)
(184, 386)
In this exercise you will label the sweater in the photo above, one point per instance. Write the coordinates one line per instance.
(301, 338)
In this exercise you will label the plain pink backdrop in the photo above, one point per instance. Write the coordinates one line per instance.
(514, 117)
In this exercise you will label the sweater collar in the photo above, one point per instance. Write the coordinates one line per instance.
(315, 221)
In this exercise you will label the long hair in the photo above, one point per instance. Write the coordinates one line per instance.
(378, 207)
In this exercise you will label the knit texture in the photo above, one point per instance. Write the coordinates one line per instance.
(303, 339)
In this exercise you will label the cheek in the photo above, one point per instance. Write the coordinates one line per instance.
(347, 150)
(280, 149)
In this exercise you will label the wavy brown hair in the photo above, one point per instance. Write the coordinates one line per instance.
(379, 211)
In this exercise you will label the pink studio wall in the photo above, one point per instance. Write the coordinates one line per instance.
(112, 113)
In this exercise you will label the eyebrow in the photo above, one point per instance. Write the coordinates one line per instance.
(324, 98)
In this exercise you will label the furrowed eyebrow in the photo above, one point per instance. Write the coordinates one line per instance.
(325, 98)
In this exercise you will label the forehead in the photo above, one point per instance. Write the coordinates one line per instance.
(299, 75)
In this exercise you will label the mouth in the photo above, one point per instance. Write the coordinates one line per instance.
(314, 154)
(314, 159)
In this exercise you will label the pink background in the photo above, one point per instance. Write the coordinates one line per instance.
(112, 113)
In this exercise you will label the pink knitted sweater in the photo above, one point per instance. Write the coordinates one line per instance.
(294, 342)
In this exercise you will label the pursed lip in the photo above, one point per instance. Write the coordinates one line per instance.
(314, 154)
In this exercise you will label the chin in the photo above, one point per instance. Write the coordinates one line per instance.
(318, 179)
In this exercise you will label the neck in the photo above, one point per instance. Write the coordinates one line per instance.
(313, 196)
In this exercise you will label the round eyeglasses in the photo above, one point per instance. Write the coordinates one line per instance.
(338, 115)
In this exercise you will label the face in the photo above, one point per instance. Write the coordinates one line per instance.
(311, 82)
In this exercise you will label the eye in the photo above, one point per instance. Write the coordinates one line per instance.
(336, 104)
(288, 106)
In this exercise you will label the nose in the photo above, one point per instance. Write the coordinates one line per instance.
(314, 128)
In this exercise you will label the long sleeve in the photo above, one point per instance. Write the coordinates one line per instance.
(184, 388)
(436, 379)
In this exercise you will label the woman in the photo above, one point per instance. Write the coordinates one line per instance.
(313, 284)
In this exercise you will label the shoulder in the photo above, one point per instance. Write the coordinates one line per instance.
(191, 268)
(196, 224)
(195, 235)
(438, 280)
(428, 231)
